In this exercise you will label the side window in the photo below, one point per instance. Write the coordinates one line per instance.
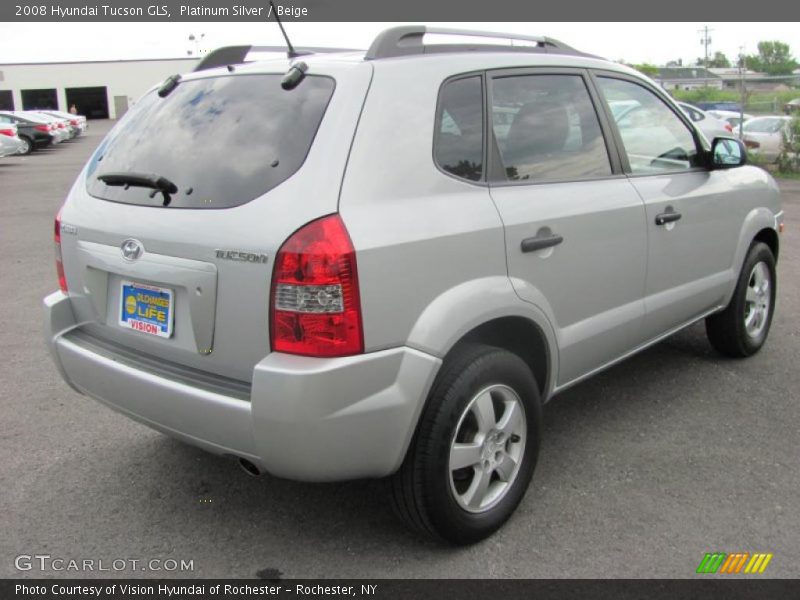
(547, 129)
(655, 138)
(458, 138)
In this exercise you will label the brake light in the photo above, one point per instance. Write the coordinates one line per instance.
(8, 132)
(62, 279)
(74, 122)
(316, 307)
(61, 126)
(45, 128)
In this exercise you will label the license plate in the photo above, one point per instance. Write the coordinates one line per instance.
(146, 308)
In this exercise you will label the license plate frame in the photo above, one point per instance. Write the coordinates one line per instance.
(135, 295)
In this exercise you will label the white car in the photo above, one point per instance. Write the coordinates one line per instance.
(9, 140)
(765, 136)
(78, 122)
(732, 117)
(709, 125)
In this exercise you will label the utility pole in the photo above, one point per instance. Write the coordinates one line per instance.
(705, 41)
(742, 67)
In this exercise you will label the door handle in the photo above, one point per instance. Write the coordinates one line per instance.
(667, 217)
(540, 242)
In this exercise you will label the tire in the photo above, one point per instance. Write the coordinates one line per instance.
(742, 328)
(435, 500)
(29, 147)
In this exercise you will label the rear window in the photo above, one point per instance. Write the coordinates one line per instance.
(222, 141)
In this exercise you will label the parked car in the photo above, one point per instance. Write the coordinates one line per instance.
(731, 106)
(792, 106)
(709, 125)
(34, 134)
(59, 134)
(78, 122)
(765, 136)
(734, 119)
(9, 140)
(61, 127)
(375, 282)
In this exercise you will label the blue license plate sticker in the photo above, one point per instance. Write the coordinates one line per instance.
(146, 308)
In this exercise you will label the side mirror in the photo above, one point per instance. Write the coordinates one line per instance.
(727, 153)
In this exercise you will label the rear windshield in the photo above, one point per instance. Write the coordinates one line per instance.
(222, 141)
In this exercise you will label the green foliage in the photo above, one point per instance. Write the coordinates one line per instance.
(773, 58)
(718, 61)
(646, 68)
(789, 158)
(765, 102)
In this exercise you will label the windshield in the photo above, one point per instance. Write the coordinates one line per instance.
(223, 141)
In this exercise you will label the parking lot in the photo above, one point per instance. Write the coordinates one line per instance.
(644, 468)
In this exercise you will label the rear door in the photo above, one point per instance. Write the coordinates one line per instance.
(180, 271)
(575, 228)
(692, 219)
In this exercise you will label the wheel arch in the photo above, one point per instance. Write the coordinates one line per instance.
(489, 311)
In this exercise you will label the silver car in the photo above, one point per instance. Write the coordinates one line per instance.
(339, 266)
(10, 143)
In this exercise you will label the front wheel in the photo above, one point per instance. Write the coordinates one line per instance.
(475, 450)
(742, 328)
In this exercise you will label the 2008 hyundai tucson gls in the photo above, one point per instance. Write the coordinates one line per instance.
(345, 265)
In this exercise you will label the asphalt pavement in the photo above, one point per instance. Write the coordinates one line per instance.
(643, 469)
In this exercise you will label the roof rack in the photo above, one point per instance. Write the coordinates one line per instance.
(235, 55)
(408, 40)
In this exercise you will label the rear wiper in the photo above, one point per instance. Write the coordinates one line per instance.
(145, 180)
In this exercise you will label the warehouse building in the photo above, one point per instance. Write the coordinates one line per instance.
(98, 89)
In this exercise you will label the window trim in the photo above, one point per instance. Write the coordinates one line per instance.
(702, 151)
(481, 74)
(497, 175)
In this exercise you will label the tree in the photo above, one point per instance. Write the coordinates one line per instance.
(719, 61)
(647, 69)
(773, 58)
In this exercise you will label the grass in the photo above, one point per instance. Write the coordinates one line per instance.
(757, 102)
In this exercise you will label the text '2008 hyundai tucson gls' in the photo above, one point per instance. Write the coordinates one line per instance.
(346, 265)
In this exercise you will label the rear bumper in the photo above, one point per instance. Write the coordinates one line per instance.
(306, 419)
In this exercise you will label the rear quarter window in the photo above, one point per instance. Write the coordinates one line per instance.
(458, 137)
(222, 141)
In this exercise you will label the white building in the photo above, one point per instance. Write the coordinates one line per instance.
(98, 89)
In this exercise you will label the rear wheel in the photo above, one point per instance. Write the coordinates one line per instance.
(28, 146)
(742, 328)
(475, 449)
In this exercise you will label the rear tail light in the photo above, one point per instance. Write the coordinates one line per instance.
(728, 127)
(8, 132)
(316, 308)
(62, 279)
(74, 122)
(45, 128)
(61, 126)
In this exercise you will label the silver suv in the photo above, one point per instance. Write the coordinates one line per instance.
(345, 265)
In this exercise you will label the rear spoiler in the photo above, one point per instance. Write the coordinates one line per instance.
(236, 55)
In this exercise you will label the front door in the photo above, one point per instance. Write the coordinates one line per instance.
(692, 221)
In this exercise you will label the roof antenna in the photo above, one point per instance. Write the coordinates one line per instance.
(291, 53)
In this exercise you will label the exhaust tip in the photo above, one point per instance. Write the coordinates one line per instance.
(249, 467)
